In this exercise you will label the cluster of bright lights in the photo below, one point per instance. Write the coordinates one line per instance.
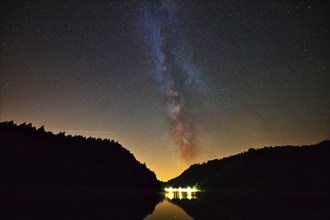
(181, 193)
(188, 189)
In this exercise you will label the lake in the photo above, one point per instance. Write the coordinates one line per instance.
(206, 205)
(66, 203)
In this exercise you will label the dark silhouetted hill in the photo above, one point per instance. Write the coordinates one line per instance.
(31, 157)
(286, 168)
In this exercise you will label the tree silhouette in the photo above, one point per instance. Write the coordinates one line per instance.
(34, 157)
(286, 168)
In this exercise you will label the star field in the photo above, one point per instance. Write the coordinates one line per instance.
(263, 68)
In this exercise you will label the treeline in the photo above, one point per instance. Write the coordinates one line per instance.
(31, 157)
(285, 168)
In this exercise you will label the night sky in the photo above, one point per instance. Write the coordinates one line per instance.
(174, 82)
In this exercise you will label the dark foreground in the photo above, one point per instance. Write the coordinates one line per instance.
(258, 206)
(62, 203)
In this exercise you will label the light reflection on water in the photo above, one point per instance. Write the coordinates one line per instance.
(116, 204)
(180, 195)
(168, 210)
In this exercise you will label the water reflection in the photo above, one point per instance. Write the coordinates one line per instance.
(39, 203)
(168, 210)
(256, 206)
(181, 195)
(60, 203)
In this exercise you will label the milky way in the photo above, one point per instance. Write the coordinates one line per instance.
(176, 74)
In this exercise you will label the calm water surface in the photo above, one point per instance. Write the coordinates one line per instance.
(168, 210)
(206, 205)
(122, 204)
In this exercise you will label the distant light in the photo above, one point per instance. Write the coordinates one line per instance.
(181, 193)
(188, 189)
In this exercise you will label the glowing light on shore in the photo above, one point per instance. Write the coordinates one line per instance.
(181, 193)
(188, 189)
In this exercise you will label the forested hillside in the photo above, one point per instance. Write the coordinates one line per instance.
(31, 157)
(285, 168)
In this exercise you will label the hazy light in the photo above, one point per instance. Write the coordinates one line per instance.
(188, 189)
(181, 193)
